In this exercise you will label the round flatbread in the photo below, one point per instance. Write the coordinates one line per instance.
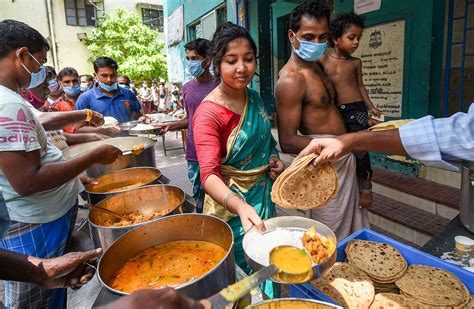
(389, 125)
(347, 285)
(308, 189)
(433, 286)
(276, 189)
(390, 301)
(382, 262)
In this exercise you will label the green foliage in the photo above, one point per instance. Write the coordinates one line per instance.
(135, 46)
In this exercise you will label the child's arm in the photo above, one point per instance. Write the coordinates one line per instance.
(363, 92)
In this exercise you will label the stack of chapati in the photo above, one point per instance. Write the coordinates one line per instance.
(430, 286)
(390, 125)
(299, 187)
(391, 301)
(347, 285)
(381, 262)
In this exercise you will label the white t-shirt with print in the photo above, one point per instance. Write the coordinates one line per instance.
(20, 130)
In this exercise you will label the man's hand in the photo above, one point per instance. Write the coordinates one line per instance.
(375, 111)
(329, 149)
(164, 127)
(276, 167)
(106, 154)
(112, 130)
(92, 137)
(165, 298)
(97, 119)
(86, 180)
(69, 270)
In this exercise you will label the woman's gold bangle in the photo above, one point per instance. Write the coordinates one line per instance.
(89, 115)
(229, 196)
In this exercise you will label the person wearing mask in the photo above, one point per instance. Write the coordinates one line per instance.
(69, 79)
(306, 110)
(175, 103)
(194, 91)
(155, 95)
(164, 95)
(87, 82)
(55, 88)
(146, 97)
(106, 97)
(132, 88)
(41, 196)
(124, 82)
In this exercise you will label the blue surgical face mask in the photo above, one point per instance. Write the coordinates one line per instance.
(194, 67)
(53, 85)
(84, 86)
(72, 90)
(309, 51)
(124, 86)
(107, 87)
(37, 78)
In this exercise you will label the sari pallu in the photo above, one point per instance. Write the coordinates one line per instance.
(245, 169)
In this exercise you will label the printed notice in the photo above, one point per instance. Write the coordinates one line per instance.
(365, 6)
(382, 50)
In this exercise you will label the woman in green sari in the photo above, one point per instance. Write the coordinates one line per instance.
(235, 148)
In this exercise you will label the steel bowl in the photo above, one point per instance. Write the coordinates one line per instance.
(298, 224)
(142, 200)
(145, 158)
(134, 177)
(128, 125)
(294, 303)
(162, 117)
(154, 131)
(198, 227)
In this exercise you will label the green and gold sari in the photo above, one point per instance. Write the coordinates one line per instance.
(245, 170)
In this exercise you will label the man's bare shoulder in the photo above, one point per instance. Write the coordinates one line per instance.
(289, 77)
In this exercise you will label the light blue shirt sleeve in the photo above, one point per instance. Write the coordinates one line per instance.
(435, 141)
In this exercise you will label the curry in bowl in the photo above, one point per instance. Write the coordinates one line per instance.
(168, 264)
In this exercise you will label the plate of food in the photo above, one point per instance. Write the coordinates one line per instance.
(315, 237)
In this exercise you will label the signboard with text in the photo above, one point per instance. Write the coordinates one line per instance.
(381, 51)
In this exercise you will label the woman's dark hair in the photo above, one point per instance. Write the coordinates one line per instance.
(67, 71)
(313, 8)
(342, 23)
(105, 62)
(15, 34)
(226, 33)
(201, 46)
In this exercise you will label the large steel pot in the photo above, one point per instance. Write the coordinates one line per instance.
(293, 223)
(134, 177)
(198, 227)
(142, 200)
(145, 158)
(294, 303)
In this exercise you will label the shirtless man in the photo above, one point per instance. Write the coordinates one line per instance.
(305, 103)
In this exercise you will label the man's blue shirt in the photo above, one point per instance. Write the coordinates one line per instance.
(120, 106)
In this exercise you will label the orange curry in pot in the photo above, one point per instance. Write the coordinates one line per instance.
(168, 264)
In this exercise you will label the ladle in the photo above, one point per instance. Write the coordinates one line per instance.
(287, 264)
(110, 212)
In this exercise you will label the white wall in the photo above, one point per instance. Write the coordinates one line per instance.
(71, 51)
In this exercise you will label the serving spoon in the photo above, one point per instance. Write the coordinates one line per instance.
(110, 212)
(288, 264)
